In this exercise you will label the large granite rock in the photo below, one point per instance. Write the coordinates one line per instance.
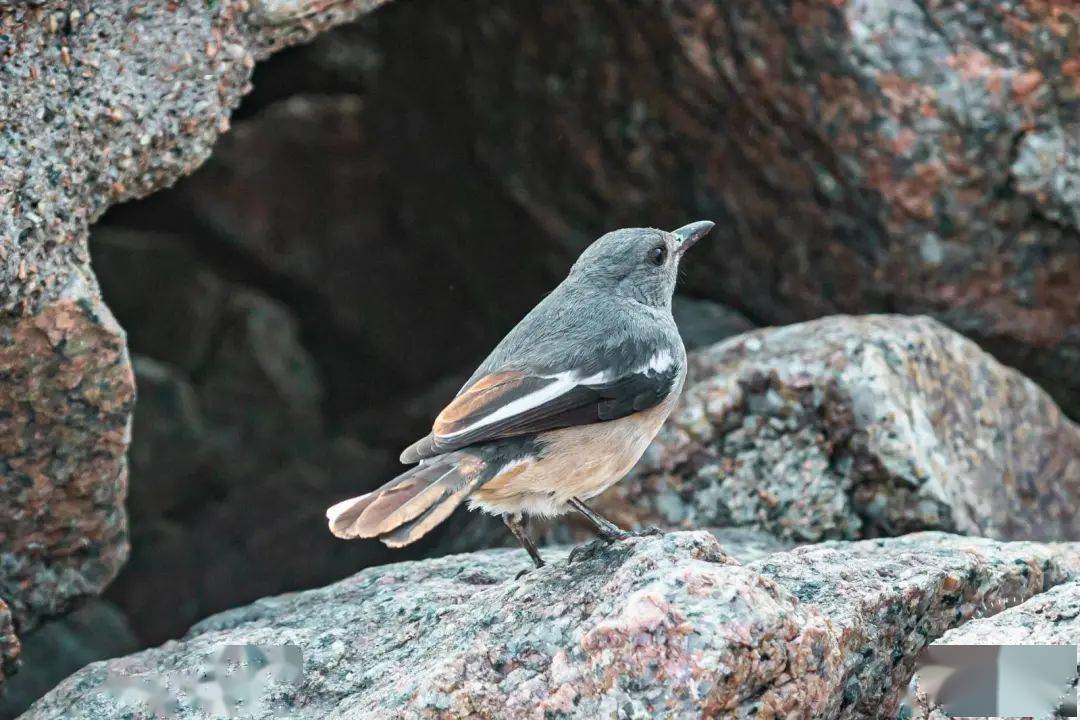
(66, 394)
(102, 102)
(55, 649)
(851, 427)
(670, 626)
(859, 156)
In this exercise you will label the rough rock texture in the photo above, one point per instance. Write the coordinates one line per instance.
(851, 427)
(867, 155)
(66, 394)
(667, 626)
(54, 650)
(101, 102)
(1052, 618)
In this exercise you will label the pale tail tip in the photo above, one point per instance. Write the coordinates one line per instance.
(340, 526)
(334, 511)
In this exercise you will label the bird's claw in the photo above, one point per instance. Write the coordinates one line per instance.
(588, 550)
(526, 571)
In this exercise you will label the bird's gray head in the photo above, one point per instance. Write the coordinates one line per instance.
(638, 263)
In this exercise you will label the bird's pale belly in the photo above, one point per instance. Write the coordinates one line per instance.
(577, 462)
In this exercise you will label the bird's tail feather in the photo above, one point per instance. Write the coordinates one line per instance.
(409, 506)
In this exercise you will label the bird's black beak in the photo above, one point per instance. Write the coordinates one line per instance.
(690, 234)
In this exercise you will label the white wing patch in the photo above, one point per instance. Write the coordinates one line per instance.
(660, 361)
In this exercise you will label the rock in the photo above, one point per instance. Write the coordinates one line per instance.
(1052, 618)
(51, 652)
(170, 444)
(233, 462)
(232, 470)
(66, 392)
(102, 102)
(667, 626)
(858, 157)
(852, 427)
(346, 247)
(887, 597)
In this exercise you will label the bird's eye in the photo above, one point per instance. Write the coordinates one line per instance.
(657, 255)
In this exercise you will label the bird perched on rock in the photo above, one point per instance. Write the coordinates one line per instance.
(560, 410)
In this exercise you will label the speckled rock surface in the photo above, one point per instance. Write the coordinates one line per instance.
(1052, 618)
(55, 649)
(857, 155)
(668, 626)
(66, 393)
(101, 102)
(887, 597)
(851, 427)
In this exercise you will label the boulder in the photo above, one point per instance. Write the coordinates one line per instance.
(57, 648)
(670, 626)
(860, 156)
(232, 470)
(409, 303)
(102, 102)
(850, 427)
(66, 395)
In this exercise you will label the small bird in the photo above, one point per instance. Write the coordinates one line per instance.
(559, 411)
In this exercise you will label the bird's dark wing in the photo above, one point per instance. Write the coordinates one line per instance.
(513, 402)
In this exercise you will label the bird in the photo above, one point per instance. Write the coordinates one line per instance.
(561, 409)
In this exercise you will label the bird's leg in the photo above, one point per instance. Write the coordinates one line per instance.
(518, 531)
(608, 531)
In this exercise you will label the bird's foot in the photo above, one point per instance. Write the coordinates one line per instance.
(526, 571)
(589, 550)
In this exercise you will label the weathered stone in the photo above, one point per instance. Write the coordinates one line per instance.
(886, 598)
(851, 427)
(51, 652)
(101, 102)
(667, 626)
(66, 391)
(860, 156)
(1052, 618)
(347, 246)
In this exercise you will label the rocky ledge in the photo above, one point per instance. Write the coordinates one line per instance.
(673, 626)
(851, 427)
